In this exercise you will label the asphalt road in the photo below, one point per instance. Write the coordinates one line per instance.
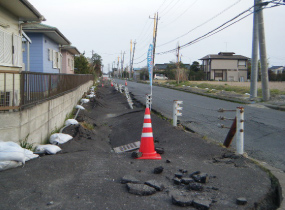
(264, 127)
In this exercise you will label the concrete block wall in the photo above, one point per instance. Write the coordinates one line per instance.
(39, 121)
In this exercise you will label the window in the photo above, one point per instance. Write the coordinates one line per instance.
(6, 44)
(54, 59)
(50, 54)
(218, 74)
(241, 63)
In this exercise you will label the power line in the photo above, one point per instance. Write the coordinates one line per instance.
(212, 18)
(181, 14)
(212, 31)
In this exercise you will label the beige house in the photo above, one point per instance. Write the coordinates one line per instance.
(68, 52)
(225, 66)
(13, 15)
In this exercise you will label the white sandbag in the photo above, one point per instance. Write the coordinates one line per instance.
(48, 148)
(71, 122)
(4, 165)
(59, 138)
(90, 96)
(79, 107)
(85, 100)
(11, 151)
(29, 155)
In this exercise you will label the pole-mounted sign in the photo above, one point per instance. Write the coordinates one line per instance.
(150, 64)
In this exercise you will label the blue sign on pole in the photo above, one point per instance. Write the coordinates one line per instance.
(150, 62)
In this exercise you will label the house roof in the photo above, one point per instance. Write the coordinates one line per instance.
(224, 55)
(71, 49)
(275, 67)
(50, 31)
(22, 9)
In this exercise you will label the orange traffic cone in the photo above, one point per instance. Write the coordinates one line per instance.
(147, 143)
(126, 83)
(111, 84)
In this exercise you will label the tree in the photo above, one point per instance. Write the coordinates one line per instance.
(97, 64)
(195, 66)
(81, 65)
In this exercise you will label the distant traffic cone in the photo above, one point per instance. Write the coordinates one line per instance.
(126, 83)
(112, 84)
(147, 143)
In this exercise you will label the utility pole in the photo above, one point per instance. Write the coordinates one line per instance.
(122, 63)
(178, 65)
(133, 56)
(131, 48)
(154, 32)
(254, 55)
(263, 55)
(118, 65)
(259, 38)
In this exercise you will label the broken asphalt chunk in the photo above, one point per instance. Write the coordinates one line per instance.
(177, 181)
(187, 181)
(129, 179)
(241, 201)
(201, 204)
(140, 189)
(182, 200)
(201, 178)
(178, 175)
(156, 185)
(195, 187)
(159, 150)
(158, 170)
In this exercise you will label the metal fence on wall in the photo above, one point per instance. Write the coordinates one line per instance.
(19, 90)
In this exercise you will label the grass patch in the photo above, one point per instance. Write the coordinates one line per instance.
(70, 115)
(25, 144)
(87, 125)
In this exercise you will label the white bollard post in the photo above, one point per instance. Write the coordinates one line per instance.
(240, 130)
(174, 114)
(176, 111)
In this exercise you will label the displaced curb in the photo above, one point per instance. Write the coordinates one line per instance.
(280, 176)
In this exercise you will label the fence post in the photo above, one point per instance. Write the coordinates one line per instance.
(240, 130)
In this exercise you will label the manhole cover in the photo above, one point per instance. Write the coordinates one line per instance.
(127, 147)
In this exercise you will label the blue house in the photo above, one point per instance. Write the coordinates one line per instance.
(44, 52)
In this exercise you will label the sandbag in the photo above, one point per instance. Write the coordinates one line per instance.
(11, 151)
(84, 100)
(71, 122)
(48, 148)
(79, 107)
(59, 138)
(4, 165)
(29, 155)
(90, 96)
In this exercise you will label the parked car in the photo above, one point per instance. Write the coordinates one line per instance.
(160, 76)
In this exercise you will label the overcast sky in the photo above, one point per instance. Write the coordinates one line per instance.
(107, 26)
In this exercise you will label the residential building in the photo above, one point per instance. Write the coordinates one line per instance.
(225, 66)
(68, 52)
(45, 55)
(277, 69)
(13, 15)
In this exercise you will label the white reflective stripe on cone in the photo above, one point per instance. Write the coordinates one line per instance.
(147, 116)
(147, 125)
(147, 135)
